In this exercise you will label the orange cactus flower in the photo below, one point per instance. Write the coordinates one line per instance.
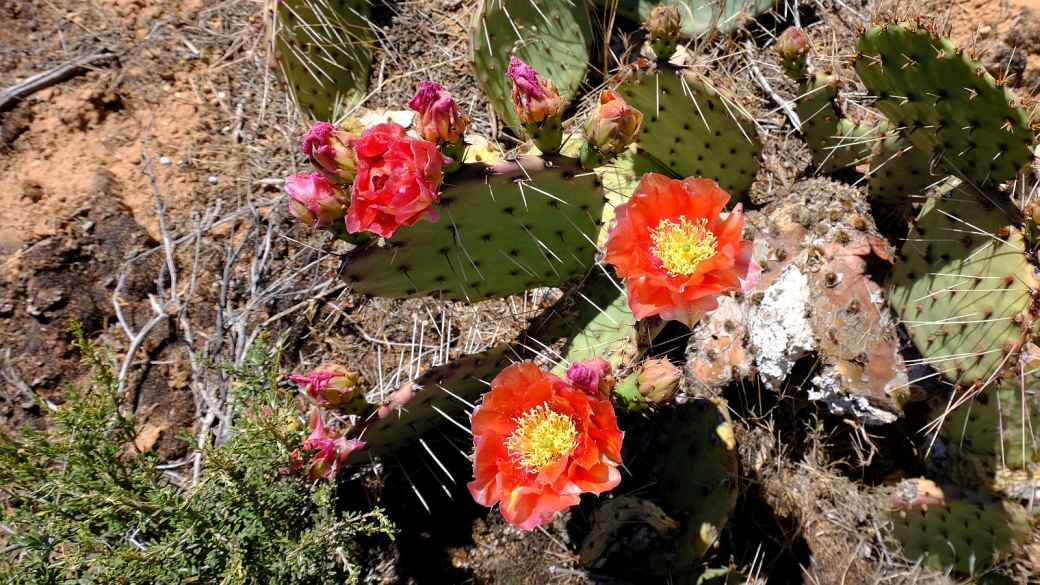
(540, 442)
(675, 253)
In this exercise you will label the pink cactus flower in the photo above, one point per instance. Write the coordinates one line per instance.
(399, 179)
(334, 387)
(594, 377)
(329, 449)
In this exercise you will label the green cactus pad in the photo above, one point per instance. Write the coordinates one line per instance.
(616, 513)
(950, 527)
(899, 172)
(699, 16)
(503, 229)
(962, 286)
(608, 329)
(552, 36)
(945, 102)
(699, 484)
(422, 404)
(323, 49)
(835, 142)
(694, 129)
(1001, 424)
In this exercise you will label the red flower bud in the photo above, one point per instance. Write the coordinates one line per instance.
(594, 377)
(534, 97)
(314, 199)
(613, 125)
(440, 120)
(658, 380)
(331, 150)
(398, 179)
(792, 43)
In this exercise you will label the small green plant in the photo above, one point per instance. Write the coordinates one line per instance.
(85, 505)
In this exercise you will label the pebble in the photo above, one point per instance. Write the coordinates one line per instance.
(164, 160)
(212, 180)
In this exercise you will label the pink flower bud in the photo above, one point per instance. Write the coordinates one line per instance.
(658, 380)
(792, 43)
(594, 377)
(333, 387)
(534, 97)
(331, 150)
(613, 125)
(329, 450)
(440, 120)
(314, 199)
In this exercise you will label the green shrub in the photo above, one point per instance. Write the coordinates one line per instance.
(84, 506)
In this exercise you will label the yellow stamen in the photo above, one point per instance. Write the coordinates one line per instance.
(541, 437)
(681, 246)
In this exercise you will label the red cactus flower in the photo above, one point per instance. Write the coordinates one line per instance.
(315, 200)
(540, 443)
(674, 253)
(329, 449)
(398, 179)
(439, 118)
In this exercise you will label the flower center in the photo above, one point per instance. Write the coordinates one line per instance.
(541, 437)
(681, 246)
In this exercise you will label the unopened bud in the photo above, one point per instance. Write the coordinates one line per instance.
(315, 200)
(658, 380)
(535, 98)
(792, 46)
(439, 118)
(331, 150)
(594, 376)
(612, 128)
(333, 387)
(664, 24)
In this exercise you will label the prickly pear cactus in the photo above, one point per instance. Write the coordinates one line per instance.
(693, 128)
(945, 102)
(616, 513)
(699, 16)
(963, 286)
(323, 49)
(553, 37)
(899, 172)
(504, 229)
(949, 527)
(699, 484)
(835, 141)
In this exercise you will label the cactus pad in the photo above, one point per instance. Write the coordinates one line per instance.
(835, 142)
(699, 16)
(420, 405)
(945, 102)
(699, 484)
(950, 527)
(553, 37)
(899, 172)
(963, 286)
(614, 514)
(503, 229)
(694, 129)
(323, 48)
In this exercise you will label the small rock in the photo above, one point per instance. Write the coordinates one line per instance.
(212, 180)
(164, 160)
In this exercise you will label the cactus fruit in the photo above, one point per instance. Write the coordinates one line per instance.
(552, 37)
(504, 229)
(963, 286)
(323, 48)
(943, 100)
(698, 485)
(699, 16)
(693, 128)
(949, 527)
